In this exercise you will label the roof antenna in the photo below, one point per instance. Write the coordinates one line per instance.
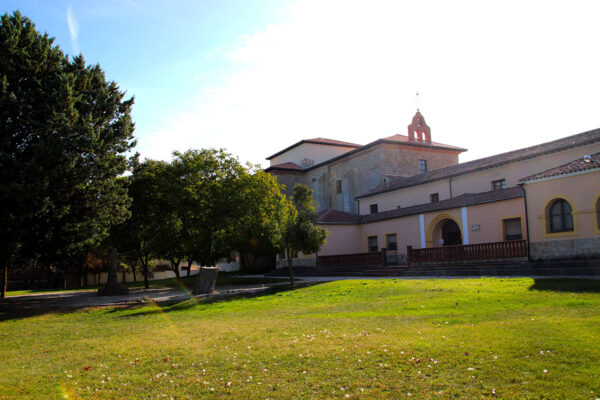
(417, 101)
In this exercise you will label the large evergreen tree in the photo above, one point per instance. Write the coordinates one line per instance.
(64, 135)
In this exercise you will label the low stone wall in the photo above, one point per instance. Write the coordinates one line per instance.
(565, 249)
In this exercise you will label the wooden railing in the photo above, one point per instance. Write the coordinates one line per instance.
(375, 258)
(469, 252)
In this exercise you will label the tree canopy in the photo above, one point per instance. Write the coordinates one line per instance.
(65, 135)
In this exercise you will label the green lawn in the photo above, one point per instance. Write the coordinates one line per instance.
(368, 339)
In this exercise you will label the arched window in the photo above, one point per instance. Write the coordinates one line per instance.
(560, 216)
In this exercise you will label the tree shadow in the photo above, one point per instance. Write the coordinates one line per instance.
(166, 307)
(567, 285)
(21, 307)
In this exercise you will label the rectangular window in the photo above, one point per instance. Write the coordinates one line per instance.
(422, 166)
(499, 184)
(390, 242)
(372, 244)
(512, 229)
(338, 186)
(434, 197)
(374, 209)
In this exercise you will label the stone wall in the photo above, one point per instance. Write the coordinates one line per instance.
(363, 172)
(565, 249)
(289, 179)
(318, 180)
(404, 161)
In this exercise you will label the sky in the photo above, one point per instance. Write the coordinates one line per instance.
(255, 76)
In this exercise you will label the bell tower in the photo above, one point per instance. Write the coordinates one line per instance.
(418, 131)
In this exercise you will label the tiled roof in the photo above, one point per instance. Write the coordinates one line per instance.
(578, 165)
(414, 143)
(288, 166)
(491, 162)
(468, 199)
(331, 216)
(333, 142)
(324, 141)
(405, 140)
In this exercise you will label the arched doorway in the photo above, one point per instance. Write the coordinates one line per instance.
(445, 232)
(451, 233)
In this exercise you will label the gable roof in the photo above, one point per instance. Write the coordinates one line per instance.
(288, 166)
(388, 140)
(397, 138)
(498, 160)
(572, 167)
(331, 216)
(334, 217)
(323, 141)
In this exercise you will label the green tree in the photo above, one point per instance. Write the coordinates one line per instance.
(209, 182)
(136, 237)
(300, 232)
(65, 134)
(262, 208)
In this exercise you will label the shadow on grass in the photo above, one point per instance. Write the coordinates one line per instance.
(567, 285)
(166, 307)
(15, 308)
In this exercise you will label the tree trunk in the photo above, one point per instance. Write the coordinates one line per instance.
(145, 267)
(114, 266)
(134, 270)
(112, 287)
(124, 272)
(175, 267)
(291, 268)
(205, 280)
(189, 273)
(4, 278)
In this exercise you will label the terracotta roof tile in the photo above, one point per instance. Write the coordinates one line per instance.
(404, 139)
(468, 199)
(491, 162)
(331, 216)
(321, 140)
(288, 166)
(578, 165)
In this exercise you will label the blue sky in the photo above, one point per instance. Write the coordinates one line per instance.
(256, 76)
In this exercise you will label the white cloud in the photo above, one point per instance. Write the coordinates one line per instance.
(73, 30)
(491, 78)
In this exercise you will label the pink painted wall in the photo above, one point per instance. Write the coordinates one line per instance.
(489, 218)
(342, 239)
(406, 230)
(581, 191)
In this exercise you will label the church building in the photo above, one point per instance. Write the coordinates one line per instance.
(407, 199)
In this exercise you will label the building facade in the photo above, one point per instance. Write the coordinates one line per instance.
(406, 191)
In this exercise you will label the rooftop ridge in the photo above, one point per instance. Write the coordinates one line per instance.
(497, 160)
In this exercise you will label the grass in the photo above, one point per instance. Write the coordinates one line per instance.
(223, 279)
(368, 339)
